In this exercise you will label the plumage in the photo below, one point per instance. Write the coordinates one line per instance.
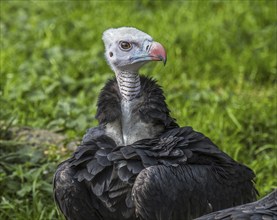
(138, 163)
(263, 209)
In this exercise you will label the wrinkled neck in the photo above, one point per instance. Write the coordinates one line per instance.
(129, 84)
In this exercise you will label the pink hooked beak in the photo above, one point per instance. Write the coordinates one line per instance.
(157, 52)
(152, 52)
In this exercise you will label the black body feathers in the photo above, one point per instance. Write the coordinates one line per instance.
(177, 174)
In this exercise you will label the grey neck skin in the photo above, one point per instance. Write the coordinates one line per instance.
(130, 128)
(129, 84)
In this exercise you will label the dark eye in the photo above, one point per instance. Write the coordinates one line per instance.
(124, 45)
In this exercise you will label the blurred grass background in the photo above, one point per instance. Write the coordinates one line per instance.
(220, 79)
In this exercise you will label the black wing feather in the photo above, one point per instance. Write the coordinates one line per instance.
(198, 180)
(265, 208)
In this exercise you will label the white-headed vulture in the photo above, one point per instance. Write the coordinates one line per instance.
(138, 163)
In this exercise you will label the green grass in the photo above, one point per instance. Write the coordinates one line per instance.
(220, 79)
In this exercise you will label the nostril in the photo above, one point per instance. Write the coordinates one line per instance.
(111, 54)
(147, 47)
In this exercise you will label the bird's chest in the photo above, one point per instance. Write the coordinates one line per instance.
(130, 128)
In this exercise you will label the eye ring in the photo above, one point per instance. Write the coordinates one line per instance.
(124, 45)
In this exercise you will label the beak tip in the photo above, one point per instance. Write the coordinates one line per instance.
(158, 52)
(162, 58)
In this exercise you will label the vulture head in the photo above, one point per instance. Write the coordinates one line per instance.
(127, 49)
